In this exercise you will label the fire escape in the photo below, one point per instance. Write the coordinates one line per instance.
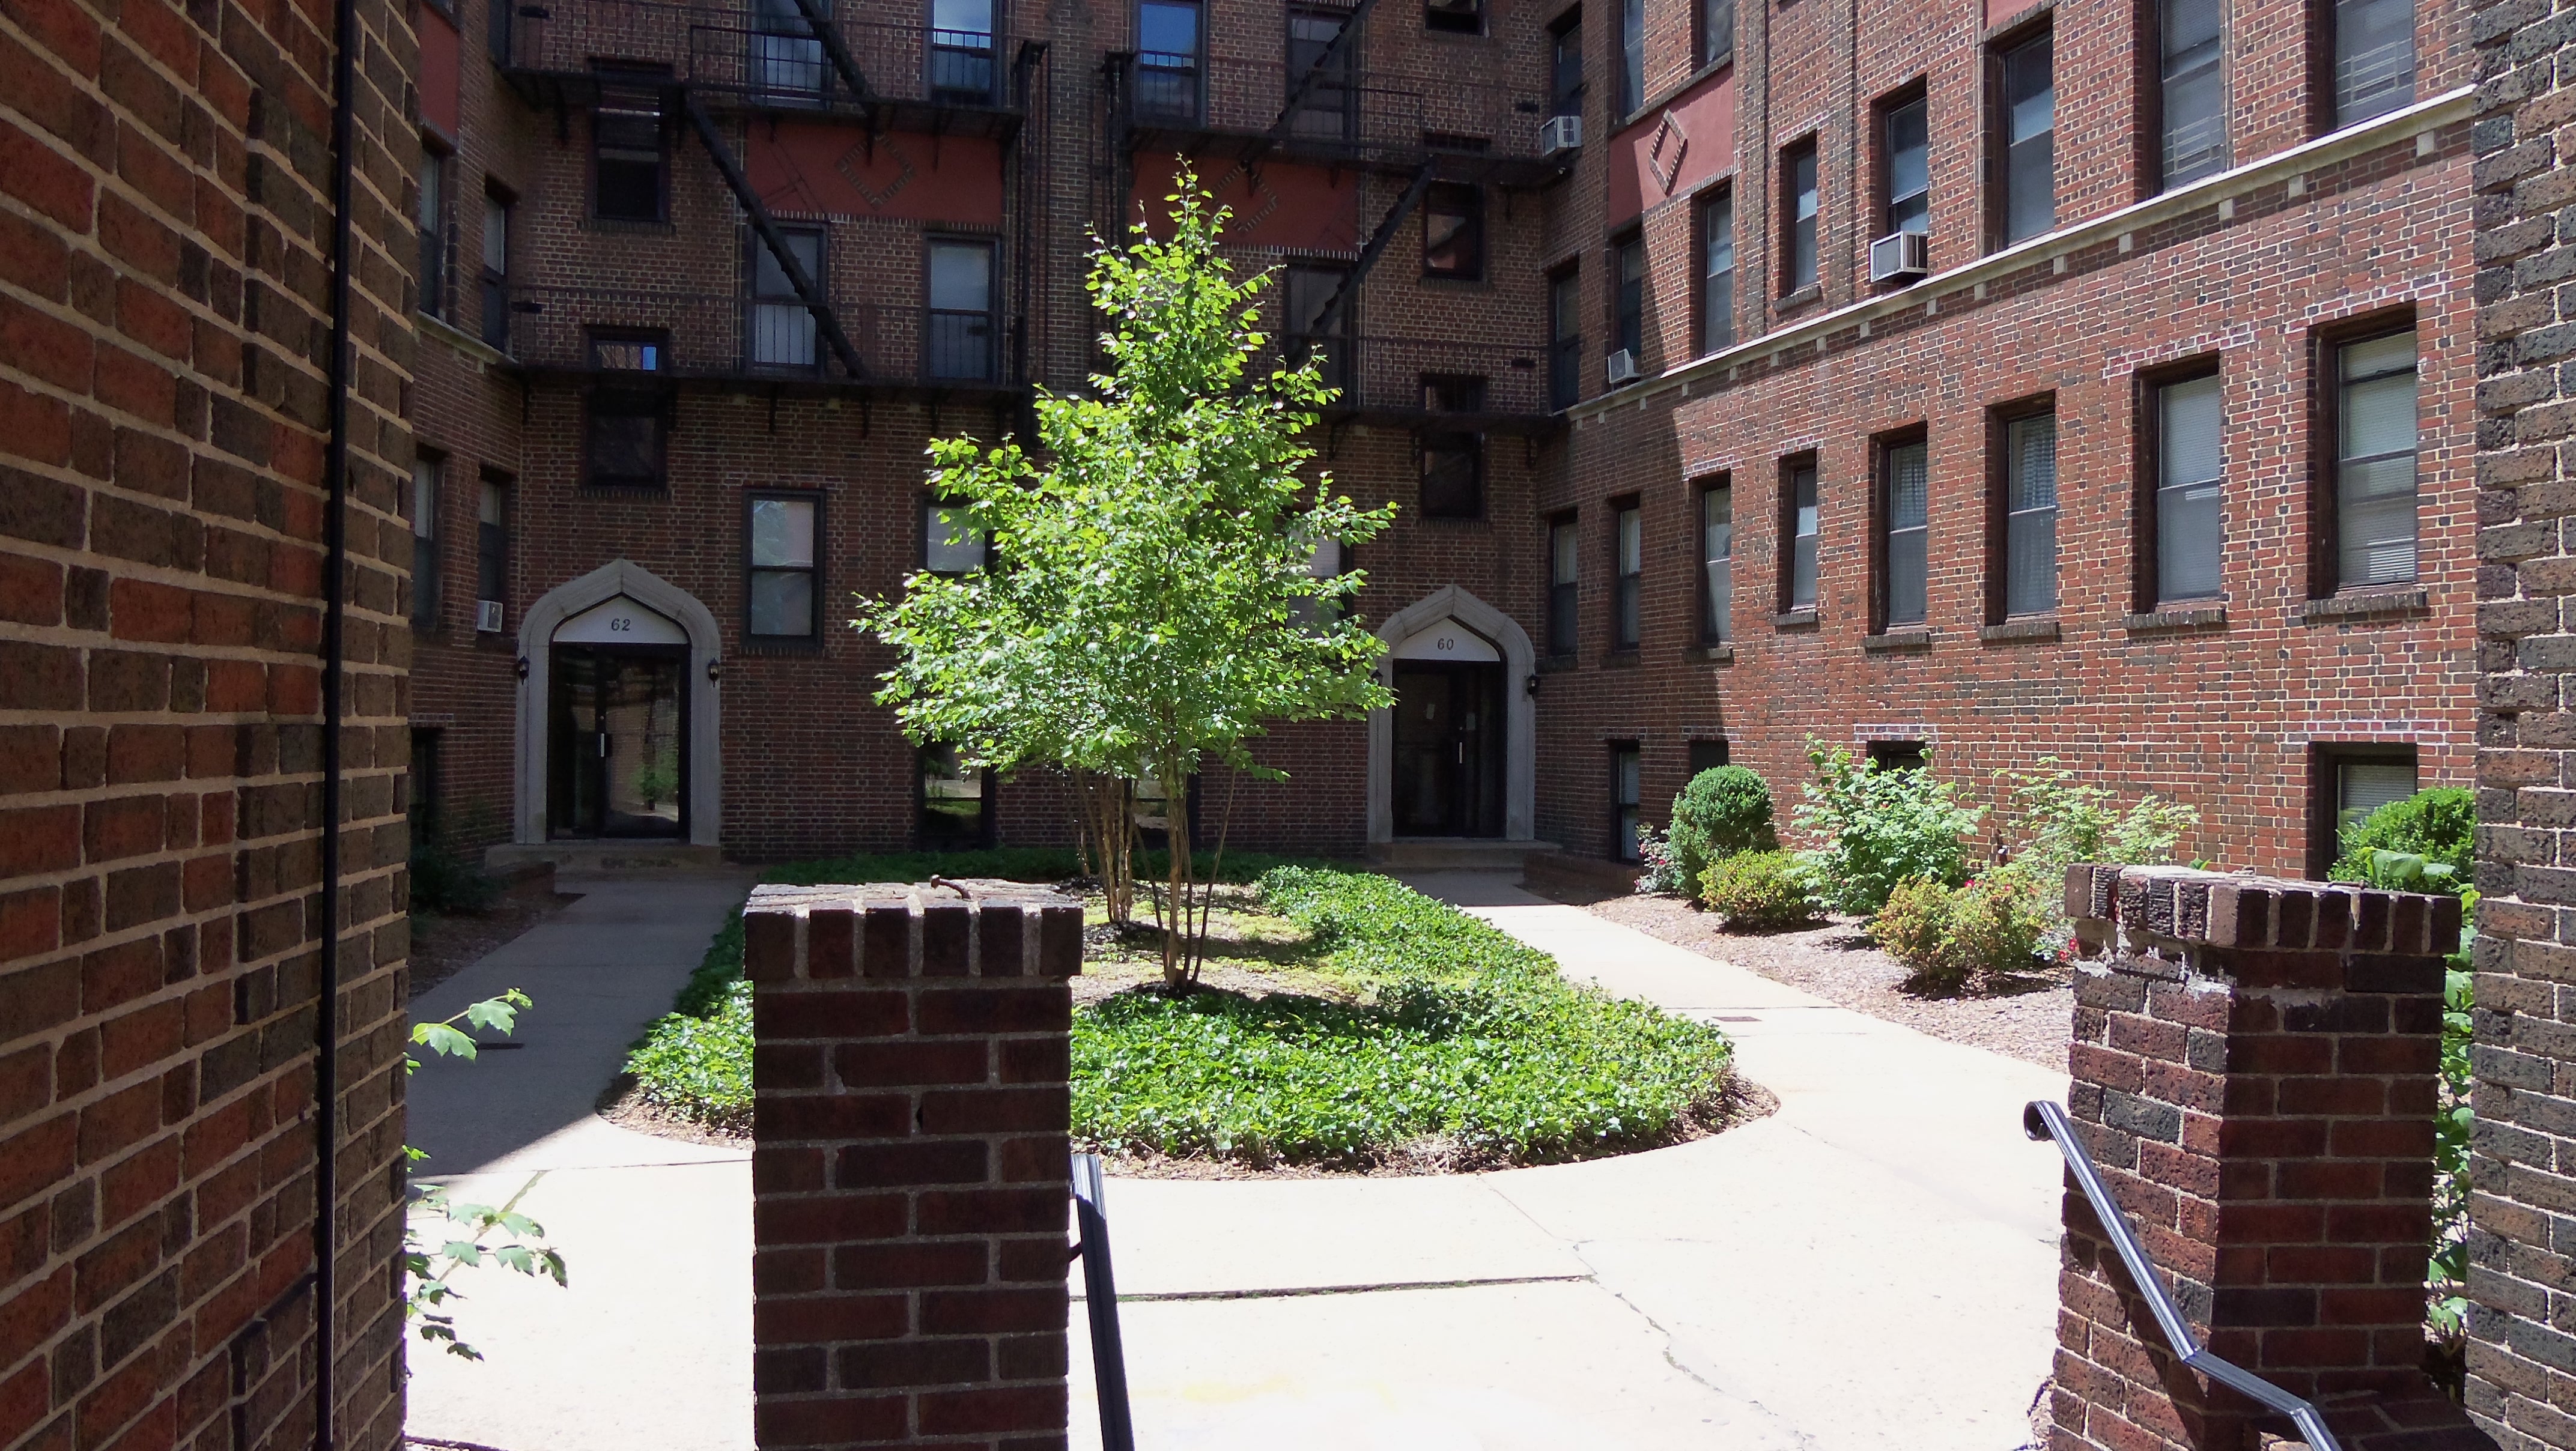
(1403, 135)
(689, 70)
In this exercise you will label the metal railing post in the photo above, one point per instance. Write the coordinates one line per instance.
(1100, 1303)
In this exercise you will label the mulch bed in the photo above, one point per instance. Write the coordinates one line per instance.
(2031, 1020)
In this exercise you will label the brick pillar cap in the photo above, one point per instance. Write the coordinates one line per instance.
(2241, 910)
(903, 930)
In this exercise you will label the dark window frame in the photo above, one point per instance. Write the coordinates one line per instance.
(1789, 283)
(1627, 587)
(1564, 349)
(649, 396)
(424, 782)
(427, 574)
(1701, 488)
(960, 61)
(1444, 393)
(1439, 21)
(1882, 183)
(436, 285)
(1784, 554)
(495, 284)
(1564, 597)
(1883, 448)
(1898, 755)
(1699, 750)
(2325, 760)
(1998, 138)
(2147, 479)
(1626, 817)
(813, 636)
(931, 504)
(492, 539)
(1713, 43)
(994, 326)
(1565, 33)
(1470, 236)
(1629, 90)
(1342, 121)
(2326, 343)
(1704, 236)
(2151, 172)
(984, 826)
(1198, 58)
(2325, 95)
(615, 81)
(1623, 321)
(755, 249)
(2000, 419)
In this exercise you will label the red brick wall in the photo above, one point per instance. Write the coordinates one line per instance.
(164, 245)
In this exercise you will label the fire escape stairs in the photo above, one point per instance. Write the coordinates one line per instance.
(1377, 244)
(1331, 56)
(808, 289)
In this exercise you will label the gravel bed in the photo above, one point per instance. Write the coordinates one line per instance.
(1837, 963)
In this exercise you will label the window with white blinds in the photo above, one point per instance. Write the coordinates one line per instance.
(1804, 517)
(1907, 507)
(2030, 515)
(2362, 787)
(1717, 553)
(2187, 486)
(2375, 501)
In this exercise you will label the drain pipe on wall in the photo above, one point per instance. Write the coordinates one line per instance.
(335, 571)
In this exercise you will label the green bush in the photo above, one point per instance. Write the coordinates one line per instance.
(1954, 938)
(1721, 812)
(699, 1068)
(1758, 891)
(445, 882)
(1463, 1036)
(1875, 827)
(2439, 826)
(2066, 819)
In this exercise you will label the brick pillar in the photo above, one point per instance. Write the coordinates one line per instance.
(909, 1168)
(2254, 1071)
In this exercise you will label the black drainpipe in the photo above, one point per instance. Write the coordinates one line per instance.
(335, 467)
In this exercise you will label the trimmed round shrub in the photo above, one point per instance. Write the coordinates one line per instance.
(1954, 938)
(1758, 891)
(1723, 811)
(2439, 825)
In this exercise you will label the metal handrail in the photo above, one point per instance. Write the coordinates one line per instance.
(2042, 1119)
(1100, 1305)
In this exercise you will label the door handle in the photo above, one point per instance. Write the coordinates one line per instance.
(603, 745)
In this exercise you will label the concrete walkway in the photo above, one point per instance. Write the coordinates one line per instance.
(1872, 1266)
(650, 1346)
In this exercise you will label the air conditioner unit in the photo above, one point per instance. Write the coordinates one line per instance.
(487, 616)
(1559, 133)
(1622, 367)
(1899, 257)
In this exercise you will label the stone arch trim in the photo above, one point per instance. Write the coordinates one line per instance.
(706, 646)
(1520, 714)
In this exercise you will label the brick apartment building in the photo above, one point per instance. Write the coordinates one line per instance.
(2069, 379)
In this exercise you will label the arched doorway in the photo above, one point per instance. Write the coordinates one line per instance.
(617, 718)
(1456, 755)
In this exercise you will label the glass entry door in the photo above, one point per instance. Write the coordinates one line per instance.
(1448, 749)
(618, 742)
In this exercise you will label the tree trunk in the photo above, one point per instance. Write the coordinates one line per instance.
(1176, 898)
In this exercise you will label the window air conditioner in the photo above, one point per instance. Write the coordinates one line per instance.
(487, 617)
(1559, 133)
(1622, 367)
(1899, 257)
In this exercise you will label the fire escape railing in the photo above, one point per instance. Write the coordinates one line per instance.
(808, 291)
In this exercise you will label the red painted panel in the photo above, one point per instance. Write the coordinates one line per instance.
(1673, 150)
(438, 71)
(817, 168)
(1302, 208)
(1999, 11)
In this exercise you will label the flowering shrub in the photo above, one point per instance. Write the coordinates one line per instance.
(1663, 874)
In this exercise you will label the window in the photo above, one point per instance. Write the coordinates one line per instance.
(498, 16)
(2028, 132)
(1799, 517)
(496, 271)
(959, 331)
(961, 52)
(1565, 65)
(1631, 16)
(1458, 17)
(954, 801)
(627, 155)
(1561, 550)
(1320, 76)
(780, 596)
(432, 219)
(424, 541)
(492, 542)
(1453, 460)
(1906, 129)
(1453, 231)
(1798, 216)
(1629, 320)
(782, 327)
(1167, 60)
(1716, 30)
(2374, 501)
(1624, 794)
(2347, 782)
(1564, 339)
(1628, 572)
(1330, 560)
(2192, 97)
(1898, 755)
(1904, 508)
(1319, 321)
(1717, 280)
(786, 55)
(422, 807)
(2374, 58)
(2186, 525)
(1706, 756)
(2030, 514)
(950, 542)
(1717, 564)
(628, 416)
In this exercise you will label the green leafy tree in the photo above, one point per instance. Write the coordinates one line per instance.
(1875, 827)
(478, 1234)
(1152, 610)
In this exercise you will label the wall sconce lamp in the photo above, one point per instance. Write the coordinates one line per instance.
(1530, 686)
(715, 669)
(523, 667)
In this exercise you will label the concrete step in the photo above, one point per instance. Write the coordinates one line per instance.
(1457, 853)
(603, 856)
